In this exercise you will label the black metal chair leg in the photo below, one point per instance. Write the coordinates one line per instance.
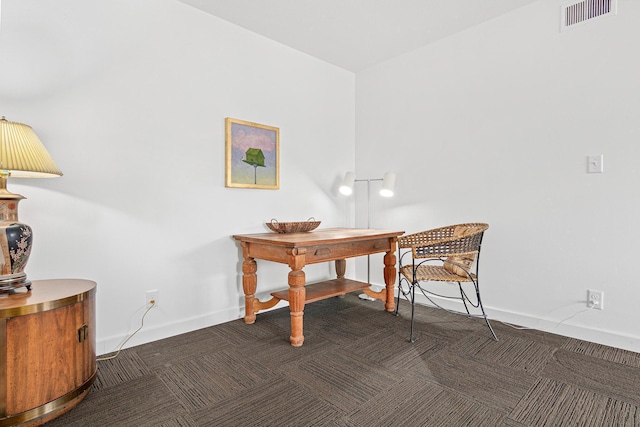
(495, 337)
(464, 300)
(484, 314)
(413, 305)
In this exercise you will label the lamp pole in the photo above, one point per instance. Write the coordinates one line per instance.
(368, 226)
(368, 180)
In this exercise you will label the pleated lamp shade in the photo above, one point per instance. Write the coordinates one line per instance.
(22, 154)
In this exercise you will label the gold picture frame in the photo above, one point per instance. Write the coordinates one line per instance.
(252, 155)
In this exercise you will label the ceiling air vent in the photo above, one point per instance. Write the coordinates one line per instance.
(586, 10)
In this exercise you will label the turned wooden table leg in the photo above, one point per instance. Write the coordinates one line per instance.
(390, 277)
(341, 268)
(249, 284)
(297, 295)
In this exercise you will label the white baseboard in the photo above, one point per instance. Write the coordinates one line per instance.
(158, 332)
(166, 330)
(600, 336)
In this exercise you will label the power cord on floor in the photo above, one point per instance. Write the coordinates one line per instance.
(100, 359)
(591, 306)
(519, 328)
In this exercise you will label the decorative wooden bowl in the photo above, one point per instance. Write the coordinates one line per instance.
(293, 227)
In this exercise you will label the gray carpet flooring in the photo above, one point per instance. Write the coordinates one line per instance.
(357, 368)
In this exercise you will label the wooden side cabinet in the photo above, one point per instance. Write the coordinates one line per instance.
(48, 353)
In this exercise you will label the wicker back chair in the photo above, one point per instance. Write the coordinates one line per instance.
(446, 254)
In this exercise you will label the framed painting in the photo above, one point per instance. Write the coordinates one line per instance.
(252, 155)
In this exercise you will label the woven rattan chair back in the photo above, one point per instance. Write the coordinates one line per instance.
(443, 241)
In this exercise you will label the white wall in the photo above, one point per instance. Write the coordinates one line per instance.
(130, 98)
(494, 124)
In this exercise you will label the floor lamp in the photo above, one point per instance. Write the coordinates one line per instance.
(388, 185)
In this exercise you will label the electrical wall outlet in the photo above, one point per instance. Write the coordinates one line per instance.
(595, 299)
(152, 298)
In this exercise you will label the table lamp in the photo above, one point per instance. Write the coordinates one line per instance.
(22, 155)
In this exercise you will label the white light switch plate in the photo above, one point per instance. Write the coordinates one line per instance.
(595, 164)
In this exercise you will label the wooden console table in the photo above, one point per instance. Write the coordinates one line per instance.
(300, 249)
(48, 352)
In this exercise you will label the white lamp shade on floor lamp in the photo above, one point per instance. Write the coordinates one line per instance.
(348, 182)
(388, 184)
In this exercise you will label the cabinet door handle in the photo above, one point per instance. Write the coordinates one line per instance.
(83, 333)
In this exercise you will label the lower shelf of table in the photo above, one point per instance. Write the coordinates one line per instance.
(326, 289)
